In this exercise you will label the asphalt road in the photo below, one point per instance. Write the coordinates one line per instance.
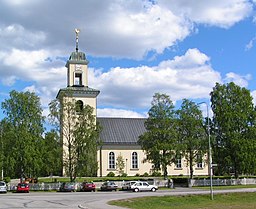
(88, 200)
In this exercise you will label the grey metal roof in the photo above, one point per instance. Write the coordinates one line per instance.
(121, 131)
(79, 91)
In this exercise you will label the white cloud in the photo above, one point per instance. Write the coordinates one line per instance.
(253, 93)
(33, 32)
(134, 87)
(212, 12)
(16, 36)
(250, 44)
(116, 28)
(237, 79)
(25, 59)
(112, 112)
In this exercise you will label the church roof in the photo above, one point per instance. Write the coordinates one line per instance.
(79, 91)
(121, 131)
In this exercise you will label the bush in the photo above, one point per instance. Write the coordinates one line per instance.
(111, 174)
(156, 174)
(124, 175)
(137, 174)
(7, 179)
(145, 174)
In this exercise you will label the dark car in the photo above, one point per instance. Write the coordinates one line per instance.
(88, 186)
(68, 187)
(108, 186)
(23, 187)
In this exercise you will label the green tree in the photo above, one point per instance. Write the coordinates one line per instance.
(192, 134)
(79, 137)
(234, 121)
(120, 164)
(23, 129)
(52, 152)
(159, 141)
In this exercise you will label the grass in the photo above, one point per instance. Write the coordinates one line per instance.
(221, 201)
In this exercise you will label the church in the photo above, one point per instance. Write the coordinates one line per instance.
(119, 136)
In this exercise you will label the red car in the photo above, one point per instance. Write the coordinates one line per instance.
(22, 187)
(88, 186)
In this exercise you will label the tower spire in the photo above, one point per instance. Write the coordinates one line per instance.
(77, 33)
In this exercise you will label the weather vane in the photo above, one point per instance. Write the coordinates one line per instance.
(77, 31)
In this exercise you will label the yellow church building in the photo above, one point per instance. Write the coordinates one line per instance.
(119, 136)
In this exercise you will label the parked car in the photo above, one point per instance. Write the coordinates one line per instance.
(127, 185)
(143, 186)
(108, 186)
(3, 187)
(23, 187)
(68, 187)
(88, 186)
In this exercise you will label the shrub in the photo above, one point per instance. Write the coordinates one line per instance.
(7, 179)
(145, 174)
(124, 175)
(156, 174)
(111, 174)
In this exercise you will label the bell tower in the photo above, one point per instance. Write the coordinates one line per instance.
(78, 93)
(77, 80)
(77, 67)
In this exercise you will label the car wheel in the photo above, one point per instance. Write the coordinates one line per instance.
(136, 190)
(153, 189)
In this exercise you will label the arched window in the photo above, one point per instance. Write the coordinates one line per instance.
(134, 160)
(79, 106)
(111, 160)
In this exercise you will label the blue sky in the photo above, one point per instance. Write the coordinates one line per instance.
(135, 49)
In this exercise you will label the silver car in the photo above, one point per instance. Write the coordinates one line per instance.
(3, 187)
(143, 186)
(127, 185)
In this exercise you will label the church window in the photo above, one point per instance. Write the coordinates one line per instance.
(78, 79)
(79, 106)
(111, 160)
(178, 161)
(199, 161)
(134, 160)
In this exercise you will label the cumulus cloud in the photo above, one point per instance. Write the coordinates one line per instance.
(253, 93)
(212, 12)
(250, 44)
(113, 28)
(31, 43)
(240, 80)
(112, 112)
(134, 87)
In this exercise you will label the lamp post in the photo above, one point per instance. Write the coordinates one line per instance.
(209, 147)
(126, 165)
(2, 154)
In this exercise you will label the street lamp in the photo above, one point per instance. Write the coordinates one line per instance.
(210, 149)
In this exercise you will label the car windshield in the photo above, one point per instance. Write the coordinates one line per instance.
(2, 184)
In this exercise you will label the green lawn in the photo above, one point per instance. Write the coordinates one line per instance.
(221, 201)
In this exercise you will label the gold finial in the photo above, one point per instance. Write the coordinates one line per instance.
(77, 31)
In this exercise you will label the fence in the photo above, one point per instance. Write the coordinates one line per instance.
(222, 182)
(160, 183)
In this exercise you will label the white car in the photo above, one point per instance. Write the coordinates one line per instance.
(143, 186)
(3, 187)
